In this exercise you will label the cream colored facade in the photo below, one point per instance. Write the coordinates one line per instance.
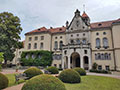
(82, 43)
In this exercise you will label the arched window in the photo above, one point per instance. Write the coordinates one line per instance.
(96, 57)
(98, 43)
(105, 42)
(78, 41)
(56, 45)
(106, 56)
(35, 45)
(84, 41)
(29, 46)
(61, 43)
(41, 45)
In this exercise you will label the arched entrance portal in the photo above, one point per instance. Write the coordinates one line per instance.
(86, 62)
(75, 60)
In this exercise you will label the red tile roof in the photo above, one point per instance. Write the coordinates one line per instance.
(42, 29)
(63, 29)
(56, 30)
(103, 24)
(84, 15)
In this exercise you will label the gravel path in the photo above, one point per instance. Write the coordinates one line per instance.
(17, 87)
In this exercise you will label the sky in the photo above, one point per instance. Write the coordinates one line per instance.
(54, 13)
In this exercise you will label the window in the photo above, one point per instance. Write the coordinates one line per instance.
(83, 34)
(102, 56)
(85, 51)
(65, 52)
(77, 34)
(99, 67)
(78, 41)
(109, 57)
(35, 45)
(30, 38)
(99, 56)
(97, 33)
(27, 56)
(84, 41)
(106, 56)
(107, 67)
(104, 33)
(55, 65)
(97, 43)
(71, 35)
(60, 66)
(105, 42)
(36, 38)
(56, 45)
(55, 37)
(41, 45)
(61, 37)
(42, 37)
(72, 41)
(61, 43)
(29, 46)
(57, 57)
(33, 56)
(96, 57)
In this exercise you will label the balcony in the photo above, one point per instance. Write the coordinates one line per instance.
(72, 46)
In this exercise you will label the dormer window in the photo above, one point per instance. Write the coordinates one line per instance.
(99, 24)
(60, 29)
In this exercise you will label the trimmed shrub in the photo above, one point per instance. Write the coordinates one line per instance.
(44, 82)
(32, 71)
(81, 71)
(100, 71)
(3, 81)
(70, 76)
(53, 70)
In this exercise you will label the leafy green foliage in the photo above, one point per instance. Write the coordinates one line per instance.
(100, 71)
(44, 82)
(42, 58)
(3, 81)
(70, 76)
(1, 60)
(94, 66)
(32, 71)
(81, 71)
(53, 70)
(10, 28)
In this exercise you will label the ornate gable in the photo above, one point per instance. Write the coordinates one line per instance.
(77, 23)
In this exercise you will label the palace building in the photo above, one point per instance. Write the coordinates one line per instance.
(79, 43)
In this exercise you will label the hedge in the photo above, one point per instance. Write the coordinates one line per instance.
(45, 58)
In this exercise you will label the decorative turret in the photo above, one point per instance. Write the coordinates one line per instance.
(67, 23)
(77, 13)
(86, 18)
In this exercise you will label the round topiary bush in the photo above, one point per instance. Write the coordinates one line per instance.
(44, 82)
(53, 70)
(3, 81)
(70, 76)
(81, 71)
(32, 71)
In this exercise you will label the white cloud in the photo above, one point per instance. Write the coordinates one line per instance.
(37, 13)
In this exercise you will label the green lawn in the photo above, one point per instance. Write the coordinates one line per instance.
(88, 83)
(95, 83)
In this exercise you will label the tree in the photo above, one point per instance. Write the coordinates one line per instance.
(10, 28)
(1, 60)
(94, 66)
